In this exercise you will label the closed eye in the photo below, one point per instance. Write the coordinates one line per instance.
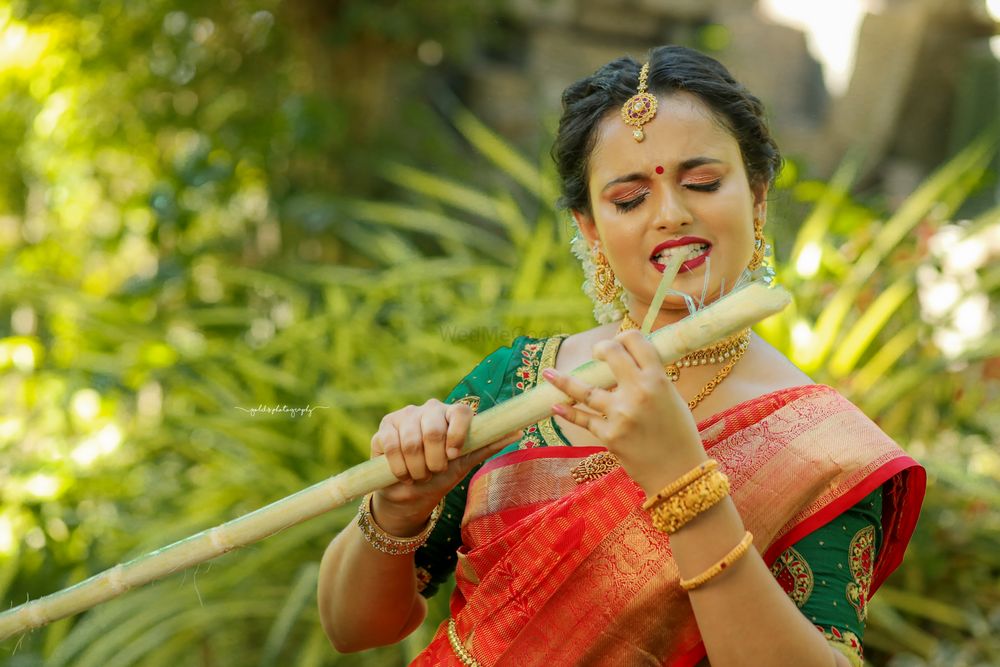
(705, 187)
(629, 204)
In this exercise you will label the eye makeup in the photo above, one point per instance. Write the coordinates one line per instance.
(630, 200)
(703, 182)
(704, 186)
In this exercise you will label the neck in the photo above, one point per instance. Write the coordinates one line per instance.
(668, 315)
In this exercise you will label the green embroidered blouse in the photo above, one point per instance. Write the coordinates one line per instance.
(827, 573)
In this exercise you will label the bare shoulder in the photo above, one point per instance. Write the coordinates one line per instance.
(763, 370)
(768, 370)
(576, 349)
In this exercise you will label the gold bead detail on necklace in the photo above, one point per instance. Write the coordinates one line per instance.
(730, 350)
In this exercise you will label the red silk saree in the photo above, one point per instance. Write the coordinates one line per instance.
(554, 573)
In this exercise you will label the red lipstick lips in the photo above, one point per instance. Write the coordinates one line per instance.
(690, 264)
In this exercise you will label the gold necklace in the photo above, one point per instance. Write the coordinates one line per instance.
(731, 349)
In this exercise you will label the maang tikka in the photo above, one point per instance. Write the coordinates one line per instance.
(641, 107)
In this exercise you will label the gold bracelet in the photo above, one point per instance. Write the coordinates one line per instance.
(680, 483)
(676, 511)
(738, 552)
(390, 544)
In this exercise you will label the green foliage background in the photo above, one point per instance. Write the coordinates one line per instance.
(209, 208)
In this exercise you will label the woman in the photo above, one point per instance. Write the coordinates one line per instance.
(605, 535)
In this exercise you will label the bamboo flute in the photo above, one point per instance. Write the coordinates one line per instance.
(726, 316)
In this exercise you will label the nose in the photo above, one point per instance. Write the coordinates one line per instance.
(672, 212)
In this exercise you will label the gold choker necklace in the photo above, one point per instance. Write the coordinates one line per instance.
(729, 350)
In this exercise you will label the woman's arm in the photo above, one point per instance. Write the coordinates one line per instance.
(368, 598)
(744, 616)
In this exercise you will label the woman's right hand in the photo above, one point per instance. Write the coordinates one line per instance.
(423, 445)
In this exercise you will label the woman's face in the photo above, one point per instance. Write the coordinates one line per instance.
(684, 186)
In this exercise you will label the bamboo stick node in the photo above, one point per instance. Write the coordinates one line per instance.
(35, 615)
(219, 541)
(116, 580)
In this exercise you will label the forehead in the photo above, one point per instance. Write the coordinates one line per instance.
(684, 127)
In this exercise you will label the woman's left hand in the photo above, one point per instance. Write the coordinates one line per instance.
(644, 422)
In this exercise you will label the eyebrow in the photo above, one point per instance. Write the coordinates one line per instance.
(686, 165)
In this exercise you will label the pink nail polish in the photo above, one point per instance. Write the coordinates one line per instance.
(559, 409)
(548, 374)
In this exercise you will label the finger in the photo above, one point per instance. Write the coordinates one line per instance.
(459, 418)
(468, 461)
(412, 445)
(433, 429)
(386, 440)
(593, 397)
(641, 349)
(383, 434)
(614, 354)
(591, 422)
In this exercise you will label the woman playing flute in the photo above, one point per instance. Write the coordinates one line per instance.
(722, 510)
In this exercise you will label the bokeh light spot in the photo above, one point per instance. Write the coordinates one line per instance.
(42, 486)
(809, 259)
(430, 52)
(6, 535)
(86, 404)
(23, 357)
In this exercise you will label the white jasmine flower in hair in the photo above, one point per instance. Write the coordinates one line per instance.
(603, 312)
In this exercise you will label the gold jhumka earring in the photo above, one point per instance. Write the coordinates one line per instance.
(640, 108)
(758, 244)
(605, 288)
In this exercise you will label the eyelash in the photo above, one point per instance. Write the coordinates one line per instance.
(629, 204)
(705, 187)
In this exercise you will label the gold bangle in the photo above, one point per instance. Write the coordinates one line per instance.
(680, 483)
(676, 511)
(738, 552)
(390, 544)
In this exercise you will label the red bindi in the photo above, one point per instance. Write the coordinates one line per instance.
(659, 169)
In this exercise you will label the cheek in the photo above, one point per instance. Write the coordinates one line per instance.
(621, 240)
(739, 232)
(740, 250)
(733, 215)
(733, 228)
(626, 261)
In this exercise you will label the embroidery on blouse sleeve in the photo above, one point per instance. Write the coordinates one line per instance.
(862, 557)
(526, 377)
(526, 373)
(530, 438)
(795, 576)
(846, 642)
(471, 401)
(546, 427)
